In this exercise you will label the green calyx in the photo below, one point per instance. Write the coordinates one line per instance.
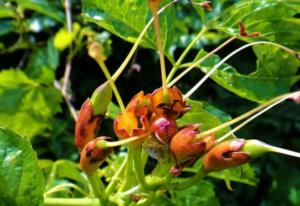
(101, 98)
(256, 148)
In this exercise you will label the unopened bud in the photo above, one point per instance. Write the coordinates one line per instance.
(92, 155)
(101, 99)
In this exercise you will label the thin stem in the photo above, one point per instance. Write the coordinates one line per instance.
(231, 132)
(137, 42)
(245, 115)
(184, 53)
(70, 106)
(112, 84)
(201, 60)
(187, 95)
(129, 173)
(97, 185)
(68, 67)
(161, 50)
(103, 144)
(190, 182)
(71, 202)
(114, 180)
(284, 151)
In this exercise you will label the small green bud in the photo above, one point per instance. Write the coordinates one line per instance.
(255, 148)
(101, 98)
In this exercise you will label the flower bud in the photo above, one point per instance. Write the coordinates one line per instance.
(183, 146)
(225, 155)
(92, 155)
(101, 99)
(164, 129)
(87, 125)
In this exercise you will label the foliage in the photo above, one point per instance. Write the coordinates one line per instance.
(36, 100)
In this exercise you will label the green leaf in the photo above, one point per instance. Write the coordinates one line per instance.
(21, 179)
(199, 194)
(46, 7)
(6, 26)
(26, 106)
(6, 12)
(276, 20)
(43, 63)
(269, 80)
(206, 115)
(127, 19)
(39, 23)
(243, 174)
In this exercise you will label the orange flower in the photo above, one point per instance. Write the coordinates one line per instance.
(225, 155)
(171, 105)
(140, 105)
(128, 125)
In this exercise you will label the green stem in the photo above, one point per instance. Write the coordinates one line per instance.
(247, 114)
(137, 42)
(71, 202)
(111, 83)
(192, 90)
(231, 132)
(104, 144)
(190, 182)
(184, 53)
(115, 179)
(139, 168)
(129, 171)
(161, 51)
(193, 65)
(97, 185)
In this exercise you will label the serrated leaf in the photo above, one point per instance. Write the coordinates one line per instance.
(127, 19)
(259, 86)
(206, 115)
(25, 105)
(276, 20)
(201, 193)
(21, 179)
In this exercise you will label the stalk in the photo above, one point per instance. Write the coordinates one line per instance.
(105, 144)
(183, 55)
(266, 105)
(189, 93)
(190, 182)
(153, 5)
(201, 60)
(96, 53)
(111, 186)
(137, 42)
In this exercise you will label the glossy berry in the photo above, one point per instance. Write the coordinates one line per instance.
(164, 129)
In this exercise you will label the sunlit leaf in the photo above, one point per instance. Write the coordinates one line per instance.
(25, 105)
(21, 179)
(206, 115)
